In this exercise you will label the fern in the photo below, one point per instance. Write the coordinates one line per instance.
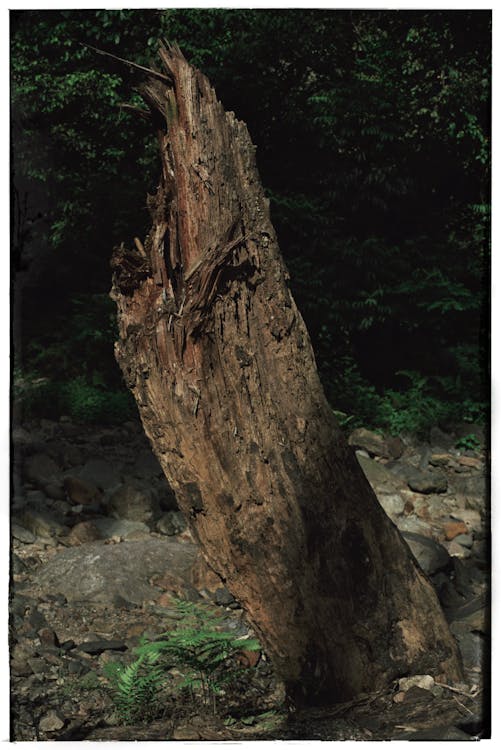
(136, 688)
(203, 654)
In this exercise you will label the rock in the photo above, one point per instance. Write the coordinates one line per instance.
(470, 462)
(395, 447)
(223, 598)
(380, 478)
(48, 637)
(51, 722)
(99, 572)
(440, 439)
(439, 733)
(372, 442)
(441, 459)
(83, 533)
(414, 525)
(472, 648)
(453, 528)
(465, 540)
(55, 490)
(79, 492)
(456, 550)
(97, 647)
(40, 469)
(430, 555)
(72, 455)
(424, 681)
(471, 518)
(171, 523)
(393, 505)
(21, 534)
(117, 527)
(20, 668)
(42, 525)
(134, 504)
(101, 473)
(38, 666)
(426, 482)
(36, 499)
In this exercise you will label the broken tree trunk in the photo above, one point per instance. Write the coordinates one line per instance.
(219, 360)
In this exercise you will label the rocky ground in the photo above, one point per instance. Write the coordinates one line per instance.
(99, 550)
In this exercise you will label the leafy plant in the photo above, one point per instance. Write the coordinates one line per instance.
(136, 687)
(196, 656)
(468, 442)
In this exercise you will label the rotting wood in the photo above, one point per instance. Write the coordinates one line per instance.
(218, 357)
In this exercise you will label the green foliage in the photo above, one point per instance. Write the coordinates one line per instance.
(197, 656)
(136, 688)
(373, 143)
(469, 442)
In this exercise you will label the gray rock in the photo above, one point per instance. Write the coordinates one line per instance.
(80, 492)
(99, 572)
(393, 505)
(72, 455)
(430, 555)
(134, 504)
(472, 648)
(110, 527)
(380, 478)
(51, 722)
(223, 598)
(41, 469)
(101, 473)
(55, 489)
(466, 540)
(21, 534)
(438, 733)
(42, 524)
(427, 482)
(171, 523)
(372, 442)
(440, 439)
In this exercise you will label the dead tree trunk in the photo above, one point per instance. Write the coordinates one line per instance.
(219, 360)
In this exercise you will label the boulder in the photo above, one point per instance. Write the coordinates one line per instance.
(40, 469)
(453, 528)
(42, 524)
(83, 533)
(372, 442)
(100, 572)
(427, 482)
(380, 478)
(171, 523)
(134, 504)
(80, 492)
(101, 473)
(430, 555)
(119, 527)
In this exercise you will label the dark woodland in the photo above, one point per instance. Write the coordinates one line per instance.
(344, 200)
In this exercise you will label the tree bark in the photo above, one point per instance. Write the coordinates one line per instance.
(219, 360)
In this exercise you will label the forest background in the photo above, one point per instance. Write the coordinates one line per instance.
(373, 144)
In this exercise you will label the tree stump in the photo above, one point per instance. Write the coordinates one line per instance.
(218, 358)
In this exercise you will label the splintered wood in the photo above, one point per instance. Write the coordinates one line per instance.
(220, 363)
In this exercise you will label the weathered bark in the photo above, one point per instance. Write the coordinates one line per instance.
(219, 360)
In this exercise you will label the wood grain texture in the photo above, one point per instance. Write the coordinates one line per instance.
(220, 363)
